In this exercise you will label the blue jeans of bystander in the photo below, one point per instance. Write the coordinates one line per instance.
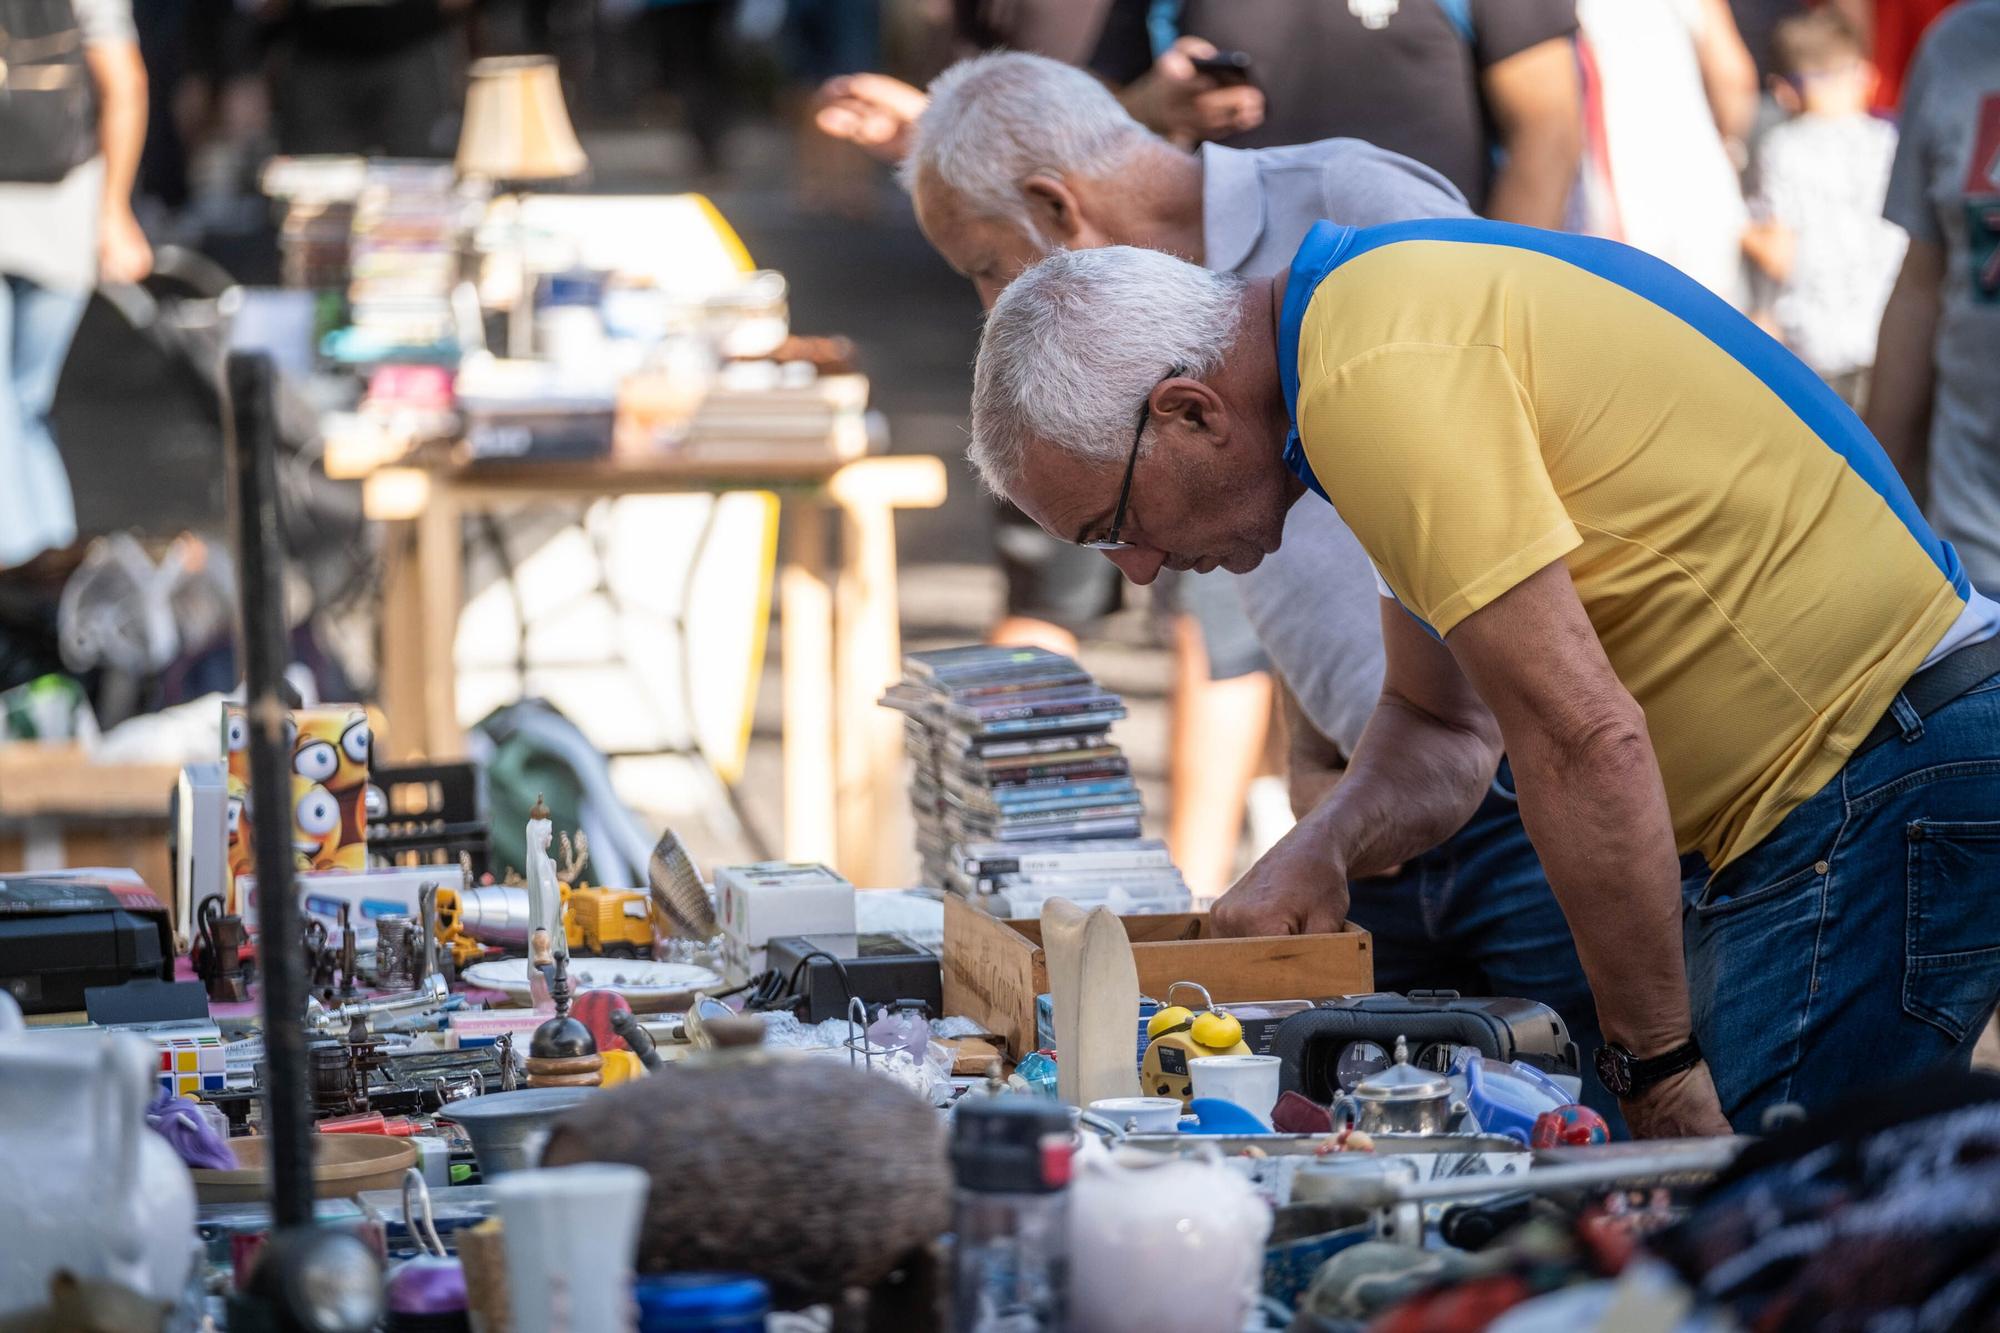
(36, 325)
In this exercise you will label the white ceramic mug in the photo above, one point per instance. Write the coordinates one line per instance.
(1144, 1115)
(1250, 1081)
(570, 1233)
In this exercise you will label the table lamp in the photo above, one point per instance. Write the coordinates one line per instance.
(517, 130)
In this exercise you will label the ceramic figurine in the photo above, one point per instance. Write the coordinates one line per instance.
(545, 906)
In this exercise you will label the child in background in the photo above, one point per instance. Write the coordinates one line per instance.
(1819, 234)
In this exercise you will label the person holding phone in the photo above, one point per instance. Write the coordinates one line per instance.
(1484, 91)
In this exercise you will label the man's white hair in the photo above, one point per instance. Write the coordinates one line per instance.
(1077, 343)
(995, 120)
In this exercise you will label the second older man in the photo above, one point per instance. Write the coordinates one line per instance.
(1017, 156)
(1623, 534)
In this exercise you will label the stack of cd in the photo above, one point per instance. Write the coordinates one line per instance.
(404, 256)
(1131, 876)
(1012, 745)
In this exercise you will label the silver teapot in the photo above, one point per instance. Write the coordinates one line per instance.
(1401, 1099)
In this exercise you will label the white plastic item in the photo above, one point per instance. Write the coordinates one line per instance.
(89, 1187)
(570, 1233)
(1142, 1115)
(1249, 1081)
(1162, 1244)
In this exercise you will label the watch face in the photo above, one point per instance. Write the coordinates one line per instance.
(1613, 1071)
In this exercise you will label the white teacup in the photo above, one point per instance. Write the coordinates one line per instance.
(1250, 1081)
(1142, 1115)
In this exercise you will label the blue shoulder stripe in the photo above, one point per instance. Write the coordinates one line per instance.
(1459, 13)
(1806, 395)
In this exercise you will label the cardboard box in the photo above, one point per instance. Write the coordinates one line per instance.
(994, 969)
(331, 748)
(59, 810)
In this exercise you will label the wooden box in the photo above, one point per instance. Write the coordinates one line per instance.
(994, 969)
(58, 810)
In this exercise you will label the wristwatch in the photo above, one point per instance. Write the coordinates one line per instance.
(1624, 1075)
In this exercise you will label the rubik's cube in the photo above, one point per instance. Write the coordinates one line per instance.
(192, 1065)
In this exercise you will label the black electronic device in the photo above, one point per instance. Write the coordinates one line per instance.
(878, 968)
(1229, 69)
(62, 934)
(1354, 1028)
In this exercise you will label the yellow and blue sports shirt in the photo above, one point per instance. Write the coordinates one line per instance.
(1479, 399)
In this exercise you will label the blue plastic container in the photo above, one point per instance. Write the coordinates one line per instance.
(701, 1303)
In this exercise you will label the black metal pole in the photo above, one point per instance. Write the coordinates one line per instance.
(251, 431)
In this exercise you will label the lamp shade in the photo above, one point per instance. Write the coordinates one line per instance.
(516, 125)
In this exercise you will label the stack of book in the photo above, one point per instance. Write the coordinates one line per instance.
(1013, 746)
(318, 194)
(404, 256)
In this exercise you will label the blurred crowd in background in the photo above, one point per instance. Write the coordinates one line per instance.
(1825, 167)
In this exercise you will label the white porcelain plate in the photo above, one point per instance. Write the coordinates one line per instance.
(635, 978)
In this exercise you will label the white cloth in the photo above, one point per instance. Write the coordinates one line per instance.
(1824, 178)
(1673, 187)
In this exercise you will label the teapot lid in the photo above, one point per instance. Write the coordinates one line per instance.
(1402, 1081)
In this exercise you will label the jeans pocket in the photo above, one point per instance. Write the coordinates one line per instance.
(1721, 897)
(1951, 964)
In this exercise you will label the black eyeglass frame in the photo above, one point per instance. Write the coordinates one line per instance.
(1113, 540)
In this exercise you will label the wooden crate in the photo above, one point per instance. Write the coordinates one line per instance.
(994, 969)
(58, 810)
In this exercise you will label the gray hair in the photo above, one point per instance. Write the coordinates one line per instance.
(1078, 342)
(995, 120)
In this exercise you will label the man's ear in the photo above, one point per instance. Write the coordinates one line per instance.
(1053, 206)
(1194, 407)
(1785, 95)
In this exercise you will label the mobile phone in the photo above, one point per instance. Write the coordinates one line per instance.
(1229, 69)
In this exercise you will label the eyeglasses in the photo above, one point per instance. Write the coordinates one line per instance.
(1113, 539)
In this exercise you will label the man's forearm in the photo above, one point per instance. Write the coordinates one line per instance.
(1596, 811)
(1532, 187)
(1414, 781)
(1899, 394)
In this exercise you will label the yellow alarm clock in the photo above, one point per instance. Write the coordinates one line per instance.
(1176, 1035)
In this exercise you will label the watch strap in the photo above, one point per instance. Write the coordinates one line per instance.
(1654, 1069)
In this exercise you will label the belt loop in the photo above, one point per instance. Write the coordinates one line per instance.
(1908, 718)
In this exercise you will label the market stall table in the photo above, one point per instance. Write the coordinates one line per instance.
(838, 617)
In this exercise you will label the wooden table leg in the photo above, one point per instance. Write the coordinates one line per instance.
(401, 648)
(874, 841)
(440, 564)
(805, 615)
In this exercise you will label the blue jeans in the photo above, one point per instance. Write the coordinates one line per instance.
(1476, 915)
(36, 325)
(1859, 943)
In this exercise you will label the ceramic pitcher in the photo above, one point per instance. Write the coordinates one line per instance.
(89, 1188)
(1163, 1244)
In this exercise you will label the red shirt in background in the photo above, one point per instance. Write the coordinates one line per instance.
(1898, 26)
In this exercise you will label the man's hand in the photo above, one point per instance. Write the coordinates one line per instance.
(1684, 1106)
(123, 253)
(1187, 107)
(1296, 888)
(871, 111)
